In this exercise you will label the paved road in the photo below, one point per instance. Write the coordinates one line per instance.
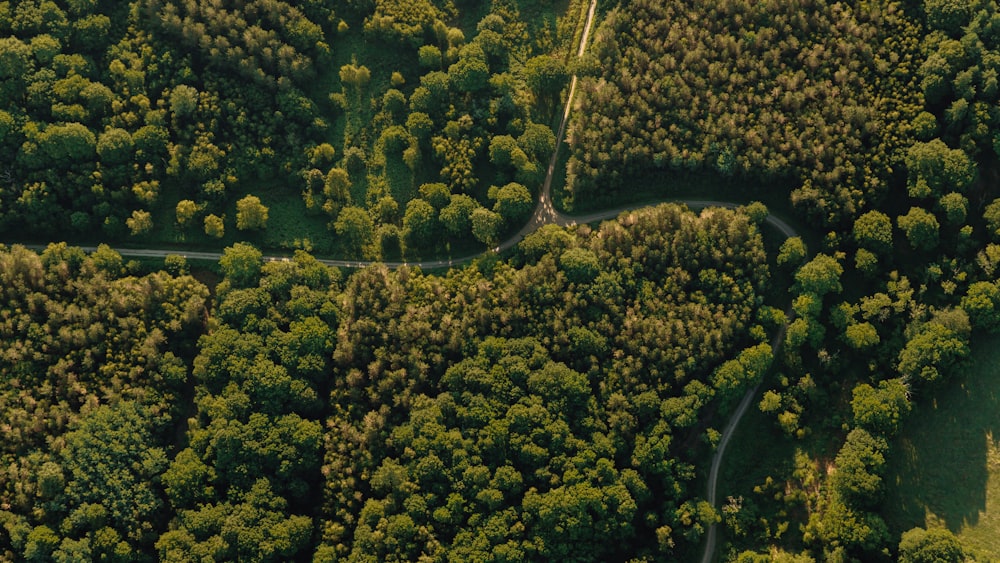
(711, 538)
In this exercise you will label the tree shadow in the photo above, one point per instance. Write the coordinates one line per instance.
(938, 469)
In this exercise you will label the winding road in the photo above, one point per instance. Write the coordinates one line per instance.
(545, 213)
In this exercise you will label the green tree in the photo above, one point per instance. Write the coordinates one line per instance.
(861, 336)
(420, 224)
(486, 226)
(250, 213)
(580, 264)
(936, 545)
(241, 264)
(921, 228)
(470, 73)
(67, 144)
(873, 231)
(513, 203)
(140, 223)
(992, 216)
(214, 226)
(819, 276)
(546, 76)
(356, 228)
(437, 194)
(456, 217)
(881, 410)
(429, 57)
(982, 303)
(935, 351)
(860, 463)
(337, 189)
(183, 101)
(115, 146)
(538, 141)
(110, 460)
(935, 169)
(792, 252)
(949, 16)
(185, 211)
(955, 207)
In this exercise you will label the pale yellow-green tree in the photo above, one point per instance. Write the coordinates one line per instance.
(214, 226)
(251, 213)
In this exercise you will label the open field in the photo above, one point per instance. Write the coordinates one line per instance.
(946, 465)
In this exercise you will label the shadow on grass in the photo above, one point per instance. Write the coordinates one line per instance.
(938, 470)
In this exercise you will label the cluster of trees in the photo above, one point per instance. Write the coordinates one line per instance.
(546, 407)
(452, 148)
(811, 91)
(94, 372)
(146, 118)
(111, 108)
(883, 117)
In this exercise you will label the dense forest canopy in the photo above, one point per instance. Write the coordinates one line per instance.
(824, 93)
(557, 402)
(533, 407)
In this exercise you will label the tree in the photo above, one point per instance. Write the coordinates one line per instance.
(250, 213)
(356, 228)
(110, 460)
(866, 261)
(486, 226)
(16, 62)
(214, 226)
(185, 211)
(470, 73)
(429, 57)
(936, 545)
(538, 141)
(420, 223)
(322, 155)
(921, 228)
(140, 223)
(183, 101)
(935, 169)
(436, 194)
(820, 276)
(792, 252)
(580, 264)
(982, 303)
(337, 189)
(955, 206)
(115, 146)
(456, 217)
(68, 144)
(546, 76)
(881, 410)
(933, 352)
(860, 462)
(861, 336)
(873, 231)
(513, 203)
(241, 264)
(949, 16)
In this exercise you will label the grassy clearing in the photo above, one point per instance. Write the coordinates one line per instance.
(945, 467)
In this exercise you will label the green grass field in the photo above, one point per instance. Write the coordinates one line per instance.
(945, 467)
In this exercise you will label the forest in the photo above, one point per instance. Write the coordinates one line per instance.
(558, 401)
(190, 122)
(468, 415)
